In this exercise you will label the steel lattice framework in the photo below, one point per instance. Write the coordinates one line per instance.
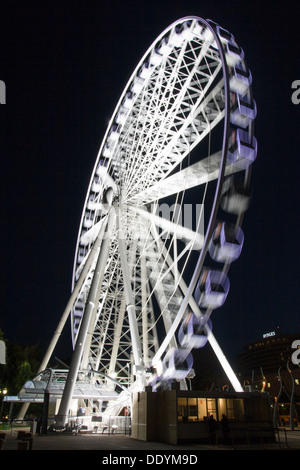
(161, 220)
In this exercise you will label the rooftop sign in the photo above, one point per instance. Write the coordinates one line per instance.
(267, 335)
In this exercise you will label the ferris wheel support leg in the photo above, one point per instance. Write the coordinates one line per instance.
(66, 312)
(224, 363)
(72, 298)
(211, 338)
(62, 416)
(136, 344)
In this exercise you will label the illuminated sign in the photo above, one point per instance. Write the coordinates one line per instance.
(2, 353)
(3, 93)
(267, 335)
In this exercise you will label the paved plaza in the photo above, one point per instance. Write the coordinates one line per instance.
(119, 444)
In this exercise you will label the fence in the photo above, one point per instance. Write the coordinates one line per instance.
(116, 425)
(250, 435)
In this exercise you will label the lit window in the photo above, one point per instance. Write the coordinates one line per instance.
(182, 409)
(192, 409)
(202, 409)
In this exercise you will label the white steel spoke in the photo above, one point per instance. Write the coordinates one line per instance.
(183, 233)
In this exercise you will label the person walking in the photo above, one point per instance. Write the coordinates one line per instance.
(225, 428)
(213, 427)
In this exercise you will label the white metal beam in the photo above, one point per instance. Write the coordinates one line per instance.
(63, 411)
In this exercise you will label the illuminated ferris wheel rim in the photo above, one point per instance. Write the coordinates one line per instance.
(127, 90)
(111, 183)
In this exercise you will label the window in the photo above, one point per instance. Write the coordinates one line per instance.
(211, 407)
(202, 409)
(196, 409)
(231, 407)
(199, 409)
(239, 409)
(182, 409)
(192, 409)
(187, 409)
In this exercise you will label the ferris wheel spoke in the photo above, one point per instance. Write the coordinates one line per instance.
(175, 121)
(183, 233)
(175, 88)
(165, 281)
(136, 346)
(193, 127)
(117, 339)
(197, 174)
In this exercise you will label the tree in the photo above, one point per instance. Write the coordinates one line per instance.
(22, 363)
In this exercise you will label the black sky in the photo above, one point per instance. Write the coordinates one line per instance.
(65, 65)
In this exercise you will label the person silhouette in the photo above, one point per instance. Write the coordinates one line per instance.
(213, 427)
(225, 428)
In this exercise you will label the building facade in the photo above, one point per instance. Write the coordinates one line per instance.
(271, 365)
(177, 416)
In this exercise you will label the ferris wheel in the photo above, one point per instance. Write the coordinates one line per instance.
(161, 222)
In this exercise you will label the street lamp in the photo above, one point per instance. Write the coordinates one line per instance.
(292, 424)
(3, 392)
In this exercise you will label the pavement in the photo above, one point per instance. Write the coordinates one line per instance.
(115, 445)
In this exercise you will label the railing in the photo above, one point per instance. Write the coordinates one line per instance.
(251, 435)
(117, 425)
(113, 425)
(16, 425)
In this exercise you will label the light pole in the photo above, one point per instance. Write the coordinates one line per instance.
(292, 424)
(3, 392)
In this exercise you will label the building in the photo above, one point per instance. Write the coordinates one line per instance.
(271, 351)
(177, 416)
(271, 365)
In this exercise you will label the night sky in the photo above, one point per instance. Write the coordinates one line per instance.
(65, 68)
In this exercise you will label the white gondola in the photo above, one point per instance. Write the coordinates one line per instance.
(240, 80)
(192, 333)
(113, 136)
(121, 116)
(235, 197)
(224, 35)
(242, 149)
(128, 101)
(242, 111)
(177, 364)
(137, 85)
(176, 38)
(106, 152)
(212, 289)
(234, 54)
(155, 58)
(226, 243)
(164, 47)
(145, 71)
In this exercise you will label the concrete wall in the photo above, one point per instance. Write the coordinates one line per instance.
(154, 416)
(166, 417)
(143, 426)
